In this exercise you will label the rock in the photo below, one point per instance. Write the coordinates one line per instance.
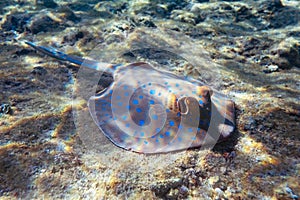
(43, 23)
(47, 3)
(219, 193)
(16, 22)
(243, 13)
(161, 189)
(40, 71)
(5, 109)
(69, 14)
(273, 5)
(286, 54)
(251, 124)
(187, 17)
(73, 36)
(144, 21)
(183, 190)
(173, 194)
(278, 15)
(271, 68)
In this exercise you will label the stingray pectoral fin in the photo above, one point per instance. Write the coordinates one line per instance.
(226, 109)
(229, 125)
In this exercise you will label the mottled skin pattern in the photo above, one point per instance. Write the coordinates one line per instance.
(152, 111)
(187, 107)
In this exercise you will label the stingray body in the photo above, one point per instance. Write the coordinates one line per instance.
(152, 111)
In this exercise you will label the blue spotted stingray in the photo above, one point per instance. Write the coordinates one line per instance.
(153, 111)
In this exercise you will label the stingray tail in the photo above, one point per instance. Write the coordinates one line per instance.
(57, 54)
(72, 59)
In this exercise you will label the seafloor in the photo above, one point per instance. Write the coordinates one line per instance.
(249, 50)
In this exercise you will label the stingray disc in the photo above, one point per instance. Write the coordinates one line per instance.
(150, 111)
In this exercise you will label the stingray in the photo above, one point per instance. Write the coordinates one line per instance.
(147, 110)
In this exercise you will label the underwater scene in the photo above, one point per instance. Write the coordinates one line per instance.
(141, 99)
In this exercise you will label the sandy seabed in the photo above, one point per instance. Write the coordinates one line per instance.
(251, 52)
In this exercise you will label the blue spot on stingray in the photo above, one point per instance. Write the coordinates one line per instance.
(144, 86)
(157, 140)
(151, 102)
(152, 92)
(141, 122)
(128, 107)
(167, 110)
(149, 83)
(179, 139)
(200, 96)
(135, 101)
(141, 97)
(193, 138)
(126, 94)
(127, 125)
(168, 133)
(161, 136)
(190, 129)
(120, 103)
(111, 91)
(103, 108)
(155, 117)
(145, 142)
(177, 85)
(142, 134)
(159, 94)
(106, 115)
(180, 127)
(178, 114)
(172, 123)
(157, 130)
(201, 102)
(138, 110)
(124, 117)
(125, 87)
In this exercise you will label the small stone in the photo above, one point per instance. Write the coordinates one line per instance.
(287, 54)
(42, 23)
(251, 124)
(16, 22)
(271, 68)
(5, 108)
(219, 192)
(173, 194)
(48, 3)
(69, 14)
(183, 190)
(41, 71)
